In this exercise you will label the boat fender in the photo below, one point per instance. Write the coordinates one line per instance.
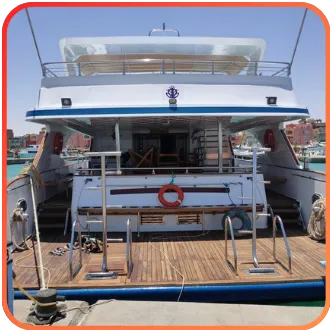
(168, 188)
(240, 214)
(269, 139)
(58, 143)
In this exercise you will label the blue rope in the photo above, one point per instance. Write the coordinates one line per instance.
(227, 186)
(173, 177)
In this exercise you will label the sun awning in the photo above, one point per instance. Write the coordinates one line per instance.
(191, 49)
(144, 63)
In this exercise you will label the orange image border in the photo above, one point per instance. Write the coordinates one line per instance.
(147, 4)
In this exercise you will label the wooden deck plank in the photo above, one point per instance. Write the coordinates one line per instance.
(200, 259)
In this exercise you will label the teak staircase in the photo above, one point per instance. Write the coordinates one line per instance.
(207, 149)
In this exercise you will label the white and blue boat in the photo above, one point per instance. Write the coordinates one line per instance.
(162, 175)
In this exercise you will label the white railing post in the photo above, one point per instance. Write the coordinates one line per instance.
(220, 145)
(117, 146)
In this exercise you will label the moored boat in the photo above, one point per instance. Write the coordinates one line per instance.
(161, 187)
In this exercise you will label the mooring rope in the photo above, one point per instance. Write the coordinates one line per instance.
(316, 226)
(18, 217)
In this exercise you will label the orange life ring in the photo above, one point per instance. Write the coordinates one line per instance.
(269, 139)
(167, 188)
(58, 143)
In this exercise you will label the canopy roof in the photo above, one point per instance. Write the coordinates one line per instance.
(189, 49)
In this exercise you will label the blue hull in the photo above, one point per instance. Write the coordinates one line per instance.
(314, 290)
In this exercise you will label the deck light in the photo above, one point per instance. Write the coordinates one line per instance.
(66, 102)
(271, 100)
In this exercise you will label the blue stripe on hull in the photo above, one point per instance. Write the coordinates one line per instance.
(164, 110)
(314, 290)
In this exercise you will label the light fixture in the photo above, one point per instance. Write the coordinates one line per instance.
(172, 101)
(271, 100)
(66, 102)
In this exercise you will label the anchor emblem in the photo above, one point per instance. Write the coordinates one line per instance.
(172, 92)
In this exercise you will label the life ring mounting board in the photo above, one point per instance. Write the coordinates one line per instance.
(170, 188)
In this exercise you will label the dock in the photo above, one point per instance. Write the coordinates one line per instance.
(15, 161)
(120, 312)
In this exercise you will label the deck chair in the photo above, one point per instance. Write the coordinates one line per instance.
(138, 159)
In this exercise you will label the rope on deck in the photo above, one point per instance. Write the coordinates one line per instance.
(316, 226)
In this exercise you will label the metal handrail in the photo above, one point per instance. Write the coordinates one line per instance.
(166, 66)
(153, 169)
(74, 272)
(271, 212)
(129, 258)
(278, 218)
(228, 220)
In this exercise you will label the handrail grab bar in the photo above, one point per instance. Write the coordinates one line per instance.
(228, 221)
(74, 272)
(129, 259)
(278, 218)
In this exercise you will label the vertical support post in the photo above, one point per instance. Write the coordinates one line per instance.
(138, 223)
(212, 67)
(254, 207)
(124, 68)
(220, 145)
(117, 146)
(163, 67)
(203, 219)
(173, 67)
(104, 213)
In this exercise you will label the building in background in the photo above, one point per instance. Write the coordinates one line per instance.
(32, 139)
(320, 127)
(78, 141)
(305, 131)
(10, 136)
(15, 143)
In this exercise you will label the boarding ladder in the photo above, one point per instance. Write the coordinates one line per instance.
(104, 273)
(276, 219)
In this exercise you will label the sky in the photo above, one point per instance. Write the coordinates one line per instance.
(278, 26)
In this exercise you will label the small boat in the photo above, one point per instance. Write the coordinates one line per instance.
(32, 149)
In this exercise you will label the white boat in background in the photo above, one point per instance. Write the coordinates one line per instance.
(160, 111)
(29, 150)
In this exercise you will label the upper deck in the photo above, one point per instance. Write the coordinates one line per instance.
(130, 77)
(163, 55)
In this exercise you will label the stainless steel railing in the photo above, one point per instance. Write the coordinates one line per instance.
(129, 257)
(153, 170)
(166, 66)
(278, 219)
(74, 272)
(228, 221)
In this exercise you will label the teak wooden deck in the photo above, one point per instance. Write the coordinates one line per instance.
(200, 259)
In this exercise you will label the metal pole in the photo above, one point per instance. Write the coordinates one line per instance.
(34, 39)
(104, 213)
(299, 33)
(117, 145)
(254, 208)
(220, 145)
(35, 215)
